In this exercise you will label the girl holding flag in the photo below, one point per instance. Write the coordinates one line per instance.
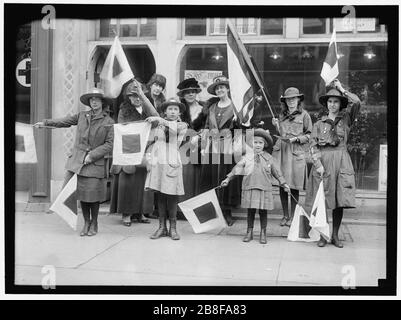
(295, 127)
(164, 163)
(331, 160)
(259, 170)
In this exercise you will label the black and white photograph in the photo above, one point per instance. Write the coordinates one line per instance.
(218, 149)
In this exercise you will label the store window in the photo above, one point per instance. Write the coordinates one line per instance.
(135, 27)
(195, 27)
(314, 25)
(271, 26)
(363, 70)
(352, 25)
(204, 62)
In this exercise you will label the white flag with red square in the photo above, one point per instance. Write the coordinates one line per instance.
(203, 212)
(300, 229)
(66, 205)
(130, 142)
(318, 216)
(25, 150)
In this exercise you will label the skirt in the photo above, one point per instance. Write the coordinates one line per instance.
(257, 199)
(212, 174)
(88, 189)
(128, 194)
(91, 189)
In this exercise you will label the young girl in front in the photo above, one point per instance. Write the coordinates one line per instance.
(258, 169)
(164, 163)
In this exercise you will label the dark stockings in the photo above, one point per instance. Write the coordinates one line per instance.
(90, 209)
(167, 203)
(284, 201)
(337, 218)
(251, 218)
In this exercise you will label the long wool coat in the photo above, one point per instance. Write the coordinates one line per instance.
(291, 156)
(93, 137)
(213, 173)
(329, 149)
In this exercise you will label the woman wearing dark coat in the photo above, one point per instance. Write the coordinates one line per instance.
(195, 116)
(127, 192)
(331, 160)
(217, 155)
(94, 140)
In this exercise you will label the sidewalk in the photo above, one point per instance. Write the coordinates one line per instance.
(121, 255)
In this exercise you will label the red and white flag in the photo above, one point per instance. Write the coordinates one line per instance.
(130, 142)
(25, 150)
(300, 229)
(244, 80)
(318, 216)
(330, 65)
(203, 212)
(66, 205)
(116, 70)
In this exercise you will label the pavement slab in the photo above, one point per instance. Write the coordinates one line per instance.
(121, 255)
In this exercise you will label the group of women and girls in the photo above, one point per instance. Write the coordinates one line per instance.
(137, 190)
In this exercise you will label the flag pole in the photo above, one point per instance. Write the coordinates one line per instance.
(250, 65)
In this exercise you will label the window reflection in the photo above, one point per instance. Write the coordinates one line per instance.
(282, 66)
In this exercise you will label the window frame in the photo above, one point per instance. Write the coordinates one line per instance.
(99, 38)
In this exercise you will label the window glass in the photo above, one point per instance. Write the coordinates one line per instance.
(271, 26)
(314, 25)
(204, 62)
(195, 27)
(147, 27)
(362, 68)
(128, 27)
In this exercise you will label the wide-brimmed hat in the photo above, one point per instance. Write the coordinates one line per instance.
(188, 84)
(291, 93)
(218, 81)
(159, 79)
(336, 94)
(265, 134)
(95, 92)
(172, 101)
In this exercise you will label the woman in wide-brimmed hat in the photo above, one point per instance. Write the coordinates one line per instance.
(127, 189)
(295, 127)
(258, 169)
(94, 140)
(165, 166)
(331, 160)
(217, 155)
(195, 116)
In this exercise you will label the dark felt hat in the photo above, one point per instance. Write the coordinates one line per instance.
(336, 94)
(188, 84)
(95, 92)
(218, 81)
(265, 134)
(130, 89)
(291, 93)
(170, 102)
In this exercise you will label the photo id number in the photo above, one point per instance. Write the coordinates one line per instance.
(221, 309)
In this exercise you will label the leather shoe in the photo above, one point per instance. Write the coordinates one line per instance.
(337, 242)
(322, 242)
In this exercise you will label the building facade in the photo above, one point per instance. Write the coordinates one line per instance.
(67, 60)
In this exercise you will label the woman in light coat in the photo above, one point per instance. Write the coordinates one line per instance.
(94, 140)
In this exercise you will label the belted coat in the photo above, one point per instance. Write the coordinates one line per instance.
(94, 136)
